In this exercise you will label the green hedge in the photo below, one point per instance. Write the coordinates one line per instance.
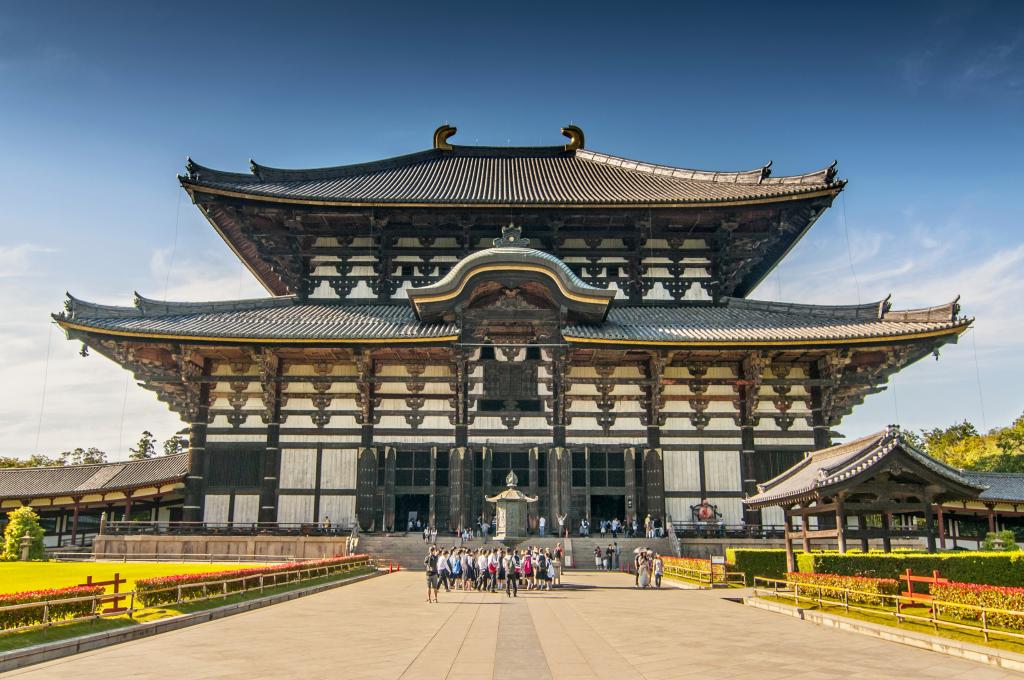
(768, 563)
(989, 568)
(30, 616)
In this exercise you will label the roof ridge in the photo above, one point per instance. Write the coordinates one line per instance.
(863, 311)
(82, 466)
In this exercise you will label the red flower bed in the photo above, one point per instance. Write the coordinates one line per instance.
(867, 590)
(978, 595)
(164, 589)
(28, 616)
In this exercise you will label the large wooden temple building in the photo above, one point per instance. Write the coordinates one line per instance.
(441, 318)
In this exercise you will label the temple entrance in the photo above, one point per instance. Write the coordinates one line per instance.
(410, 507)
(606, 508)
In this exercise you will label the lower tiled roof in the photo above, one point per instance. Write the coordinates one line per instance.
(75, 480)
(1000, 486)
(738, 320)
(827, 467)
(286, 319)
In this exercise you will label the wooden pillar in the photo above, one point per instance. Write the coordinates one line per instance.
(886, 532)
(804, 521)
(195, 482)
(840, 526)
(788, 534)
(929, 524)
(862, 524)
(60, 526)
(74, 522)
(942, 528)
(155, 515)
(953, 529)
(127, 507)
(991, 516)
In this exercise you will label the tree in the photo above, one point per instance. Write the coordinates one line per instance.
(1011, 439)
(81, 456)
(35, 460)
(145, 448)
(176, 444)
(23, 521)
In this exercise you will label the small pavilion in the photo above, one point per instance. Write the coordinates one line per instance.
(871, 479)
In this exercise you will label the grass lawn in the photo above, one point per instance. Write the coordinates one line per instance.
(883, 617)
(11, 641)
(20, 576)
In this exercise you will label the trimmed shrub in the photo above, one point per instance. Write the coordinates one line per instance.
(994, 597)
(29, 616)
(766, 562)
(21, 521)
(164, 589)
(868, 590)
(997, 569)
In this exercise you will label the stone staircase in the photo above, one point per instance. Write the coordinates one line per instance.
(583, 549)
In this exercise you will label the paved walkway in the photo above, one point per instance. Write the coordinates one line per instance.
(600, 628)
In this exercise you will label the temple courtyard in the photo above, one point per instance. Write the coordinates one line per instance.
(596, 626)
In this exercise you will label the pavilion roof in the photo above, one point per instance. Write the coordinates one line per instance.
(525, 176)
(287, 319)
(827, 468)
(78, 480)
(1000, 486)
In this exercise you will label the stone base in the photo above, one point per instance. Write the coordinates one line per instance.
(227, 547)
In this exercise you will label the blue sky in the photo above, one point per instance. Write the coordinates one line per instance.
(921, 103)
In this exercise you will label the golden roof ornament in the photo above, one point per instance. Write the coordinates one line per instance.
(575, 136)
(511, 481)
(441, 136)
(511, 237)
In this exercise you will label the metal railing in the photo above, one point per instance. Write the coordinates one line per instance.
(164, 528)
(183, 593)
(723, 530)
(841, 597)
(709, 575)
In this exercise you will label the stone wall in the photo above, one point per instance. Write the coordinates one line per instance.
(285, 547)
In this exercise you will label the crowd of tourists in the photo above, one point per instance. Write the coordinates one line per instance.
(492, 570)
(651, 528)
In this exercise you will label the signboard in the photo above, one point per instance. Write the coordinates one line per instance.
(718, 559)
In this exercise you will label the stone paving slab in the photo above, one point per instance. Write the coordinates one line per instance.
(597, 627)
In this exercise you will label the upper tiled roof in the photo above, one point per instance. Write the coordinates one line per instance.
(287, 319)
(282, 318)
(831, 466)
(1000, 486)
(76, 480)
(740, 320)
(467, 175)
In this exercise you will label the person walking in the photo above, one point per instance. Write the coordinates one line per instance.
(597, 556)
(442, 570)
(559, 556)
(430, 564)
(659, 569)
(542, 523)
(608, 558)
(492, 570)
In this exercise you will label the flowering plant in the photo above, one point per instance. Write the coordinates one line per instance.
(27, 616)
(860, 589)
(164, 589)
(1009, 600)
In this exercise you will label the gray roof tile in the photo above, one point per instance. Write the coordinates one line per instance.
(75, 480)
(510, 175)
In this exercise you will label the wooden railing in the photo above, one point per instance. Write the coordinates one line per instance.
(183, 593)
(723, 530)
(893, 605)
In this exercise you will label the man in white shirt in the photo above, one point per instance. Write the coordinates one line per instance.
(543, 525)
(481, 567)
(443, 570)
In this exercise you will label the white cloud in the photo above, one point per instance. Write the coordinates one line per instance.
(18, 260)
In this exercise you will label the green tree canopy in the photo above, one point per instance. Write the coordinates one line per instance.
(23, 521)
(962, 446)
(175, 444)
(145, 448)
(82, 456)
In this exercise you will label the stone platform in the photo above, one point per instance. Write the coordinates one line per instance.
(597, 626)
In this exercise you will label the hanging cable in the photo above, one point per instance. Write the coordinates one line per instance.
(124, 407)
(977, 375)
(849, 250)
(46, 376)
(174, 248)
